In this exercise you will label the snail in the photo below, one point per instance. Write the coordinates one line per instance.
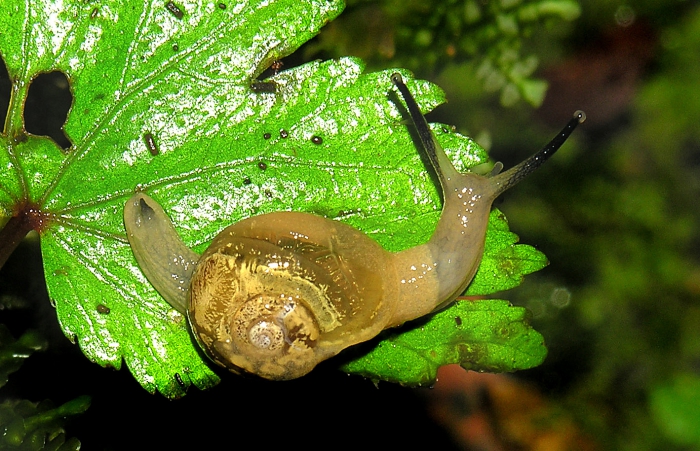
(275, 294)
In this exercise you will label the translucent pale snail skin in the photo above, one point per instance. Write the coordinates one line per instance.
(276, 294)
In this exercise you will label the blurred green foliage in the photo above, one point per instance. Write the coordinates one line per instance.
(28, 426)
(13, 352)
(427, 36)
(676, 408)
(618, 219)
(25, 425)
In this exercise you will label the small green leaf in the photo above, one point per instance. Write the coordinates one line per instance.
(566, 9)
(533, 91)
(483, 335)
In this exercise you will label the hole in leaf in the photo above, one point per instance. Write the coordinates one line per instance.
(48, 101)
(5, 91)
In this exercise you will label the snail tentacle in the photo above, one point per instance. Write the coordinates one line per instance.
(434, 274)
(512, 176)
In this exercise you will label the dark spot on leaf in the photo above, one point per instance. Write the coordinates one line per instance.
(150, 143)
(48, 101)
(176, 47)
(247, 181)
(284, 133)
(445, 129)
(62, 271)
(94, 13)
(316, 139)
(19, 137)
(267, 135)
(276, 66)
(174, 9)
(103, 309)
(343, 213)
(262, 165)
(268, 194)
(458, 320)
(222, 6)
(263, 86)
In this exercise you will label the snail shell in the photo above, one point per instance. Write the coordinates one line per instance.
(276, 294)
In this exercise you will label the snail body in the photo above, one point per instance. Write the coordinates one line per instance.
(276, 294)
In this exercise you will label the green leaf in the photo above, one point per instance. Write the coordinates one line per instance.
(482, 335)
(328, 140)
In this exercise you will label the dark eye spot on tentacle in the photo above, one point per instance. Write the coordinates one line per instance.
(262, 165)
(151, 143)
(176, 47)
(267, 135)
(175, 10)
(284, 133)
(247, 181)
(316, 140)
(222, 5)
(147, 212)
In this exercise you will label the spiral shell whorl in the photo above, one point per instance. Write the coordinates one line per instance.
(272, 325)
(255, 317)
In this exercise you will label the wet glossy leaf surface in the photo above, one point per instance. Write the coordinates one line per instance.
(164, 103)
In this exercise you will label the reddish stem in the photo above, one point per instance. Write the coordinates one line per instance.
(27, 218)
